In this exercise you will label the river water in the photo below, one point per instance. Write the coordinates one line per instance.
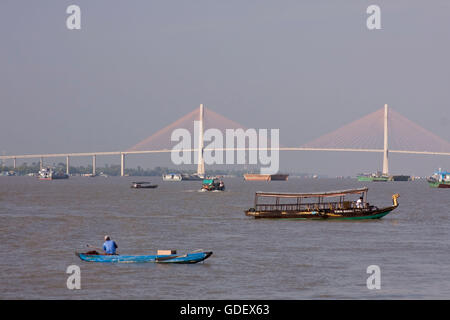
(42, 224)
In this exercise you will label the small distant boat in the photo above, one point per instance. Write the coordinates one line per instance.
(182, 177)
(314, 206)
(49, 174)
(191, 177)
(213, 185)
(172, 177)
(8, 173)
(143, 185)
(192, 257)
(265, 177)
(89, 175)
(440, 179)
(400, 177)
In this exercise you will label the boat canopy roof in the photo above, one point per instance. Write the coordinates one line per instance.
(209, 181)
(337, 193)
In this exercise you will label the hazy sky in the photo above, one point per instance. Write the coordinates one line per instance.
(305, 67)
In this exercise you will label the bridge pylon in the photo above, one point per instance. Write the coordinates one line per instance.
(201, 162)
(386, 143)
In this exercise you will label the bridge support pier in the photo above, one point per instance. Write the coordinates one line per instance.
(122, 164)
(94, 160)
(41, 163)
(67, 165)
(14, 165)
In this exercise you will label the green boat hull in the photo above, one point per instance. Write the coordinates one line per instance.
(364, 178)
(439, 185)
(375, 216)
(378, 214)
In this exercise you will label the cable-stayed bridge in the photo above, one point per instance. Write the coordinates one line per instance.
(383, 131)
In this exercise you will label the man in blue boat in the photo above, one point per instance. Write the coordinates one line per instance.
(109, 246)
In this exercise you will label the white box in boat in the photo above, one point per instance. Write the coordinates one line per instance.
(166, 252)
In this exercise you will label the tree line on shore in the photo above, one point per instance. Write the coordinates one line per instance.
(110, 170)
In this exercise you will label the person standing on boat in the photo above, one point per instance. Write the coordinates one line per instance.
(109, 246)
(359, 203)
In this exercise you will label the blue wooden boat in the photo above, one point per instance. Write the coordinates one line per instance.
(192, 257)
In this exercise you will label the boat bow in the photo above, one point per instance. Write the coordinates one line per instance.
(394, 199)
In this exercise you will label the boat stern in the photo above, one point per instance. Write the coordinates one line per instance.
(251, 212)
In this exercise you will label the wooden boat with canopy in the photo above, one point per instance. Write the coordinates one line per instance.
(318, 205)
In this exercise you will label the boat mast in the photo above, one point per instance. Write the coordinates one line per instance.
(385, 149)
(201, 162)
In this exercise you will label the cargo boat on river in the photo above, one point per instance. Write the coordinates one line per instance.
(314, 206)
(440, 179)
(265, 177)
(372, 177)
(49, 174)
